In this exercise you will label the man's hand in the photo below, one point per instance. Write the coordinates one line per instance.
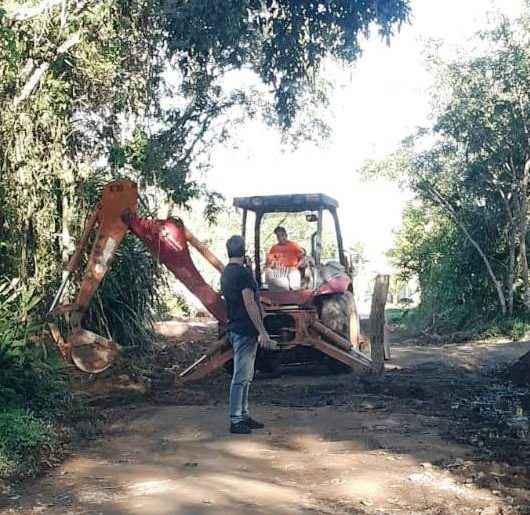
(266, 342)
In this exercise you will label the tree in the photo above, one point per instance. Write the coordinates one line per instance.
(471, 169)
(93, 90)
(488, 114)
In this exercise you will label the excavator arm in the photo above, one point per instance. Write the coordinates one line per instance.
(167, 240)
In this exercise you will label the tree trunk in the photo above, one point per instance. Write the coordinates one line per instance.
(523, 229)
(510, 274)
(511, 238)
(443, 203)
(37, 76)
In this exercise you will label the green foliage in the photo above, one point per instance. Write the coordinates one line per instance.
(395, 315)
(519, 330)
(429, 247)
(515, 328)
(416, 322)
(176, 306)
(158, 67)
(25, 443)
(30, 374)
(126, 304)
(464, 236)
(283, 42)
(21, 361)
(33, 395)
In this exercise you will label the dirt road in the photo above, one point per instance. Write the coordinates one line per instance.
(433, 436)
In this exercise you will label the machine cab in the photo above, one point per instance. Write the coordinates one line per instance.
(310, 219)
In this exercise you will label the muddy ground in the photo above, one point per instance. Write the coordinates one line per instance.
(440, 433)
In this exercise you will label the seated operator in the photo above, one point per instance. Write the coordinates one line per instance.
(284, 264)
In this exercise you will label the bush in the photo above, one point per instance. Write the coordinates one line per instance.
(415, 321)
(34, 400)
(175, 306)
(22, 361)
(25, 443)
(409, 321)
(31, 375)
(395, 315)
(125, 306)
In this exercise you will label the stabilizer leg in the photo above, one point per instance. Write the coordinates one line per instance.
(216, 357)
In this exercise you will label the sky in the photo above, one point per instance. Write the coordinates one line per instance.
(374, 105)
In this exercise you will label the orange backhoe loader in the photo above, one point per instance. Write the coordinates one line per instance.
(294, 318)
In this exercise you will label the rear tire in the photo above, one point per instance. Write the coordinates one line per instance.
(337, 311)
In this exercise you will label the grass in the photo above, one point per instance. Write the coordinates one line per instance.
(38, 413)
(412, 322)
(26, 444)
(39, 417)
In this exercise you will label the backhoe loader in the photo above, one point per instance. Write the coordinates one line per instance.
(300, 320)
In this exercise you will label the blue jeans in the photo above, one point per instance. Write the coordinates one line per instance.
(245, 348)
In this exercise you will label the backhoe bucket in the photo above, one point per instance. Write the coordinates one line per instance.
(91, 352)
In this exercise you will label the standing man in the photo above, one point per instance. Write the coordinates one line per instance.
(245, 331)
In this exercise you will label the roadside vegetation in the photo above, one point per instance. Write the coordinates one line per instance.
(38, 414)
(413, 323)
(464, 235)
(93, 91)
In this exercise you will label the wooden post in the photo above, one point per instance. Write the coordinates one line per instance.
(377, 323)
(244, 225)
(355, 328)
(257, 244)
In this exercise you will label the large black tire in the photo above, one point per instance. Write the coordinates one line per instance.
(337, 311)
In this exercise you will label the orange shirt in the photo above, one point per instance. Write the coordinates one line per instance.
(285, 254)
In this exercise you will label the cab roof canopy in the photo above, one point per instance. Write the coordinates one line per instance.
(286, 203)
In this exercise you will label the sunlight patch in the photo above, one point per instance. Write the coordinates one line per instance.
(446, 484)
(152, 487)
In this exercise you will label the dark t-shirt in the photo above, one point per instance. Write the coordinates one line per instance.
(234, 280)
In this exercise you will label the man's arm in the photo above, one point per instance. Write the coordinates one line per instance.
(300, 256)
(269, 262)
(255, 314)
